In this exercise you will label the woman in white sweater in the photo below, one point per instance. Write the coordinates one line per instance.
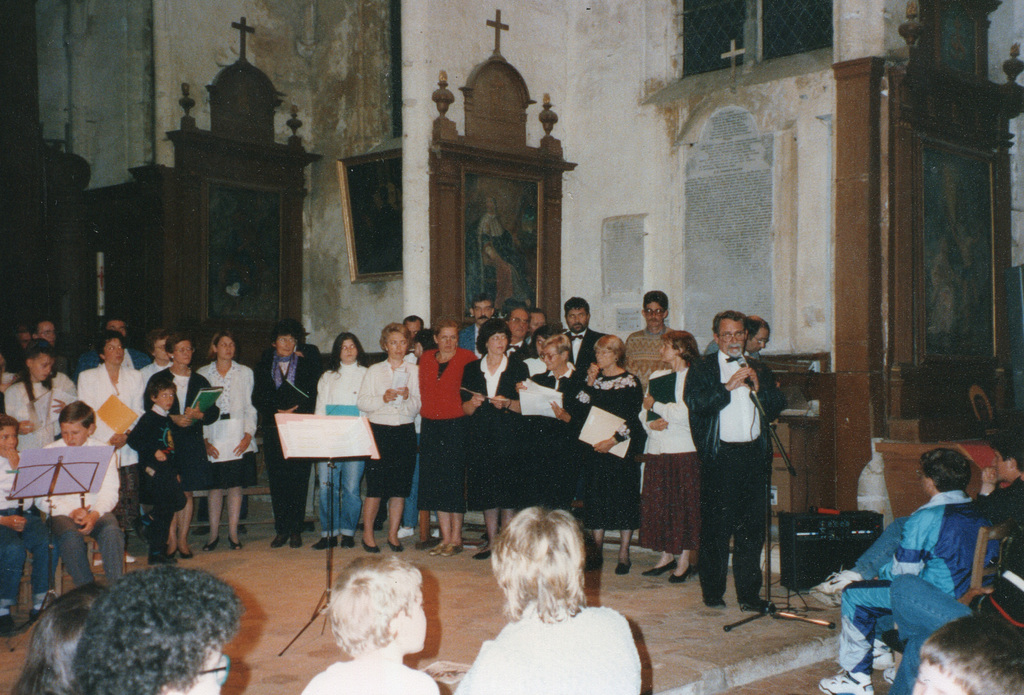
(554, 644)
(37, 397)
(336, 394)
(229, 441)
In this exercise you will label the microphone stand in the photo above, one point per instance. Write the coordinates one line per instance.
(771, 609)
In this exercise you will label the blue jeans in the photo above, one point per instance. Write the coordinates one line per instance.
(71, 547)
(346, 478)
(14, 549)
(410, 516)
(881, 551)
(919, 609)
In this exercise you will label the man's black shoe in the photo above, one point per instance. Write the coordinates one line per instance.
(325, 542)
(757, 605)
(714, 603)
(279, 540)
(295, 541)
(348, 542)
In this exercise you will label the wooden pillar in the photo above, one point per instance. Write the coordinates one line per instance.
(859, 346)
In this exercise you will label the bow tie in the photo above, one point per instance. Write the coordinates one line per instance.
(575, 336)
(732, 359)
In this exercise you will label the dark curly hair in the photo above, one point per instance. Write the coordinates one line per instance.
(491, 327)
(154, 629)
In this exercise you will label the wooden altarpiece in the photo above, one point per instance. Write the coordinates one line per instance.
(949, 239)
(495, 202)
(233, 245)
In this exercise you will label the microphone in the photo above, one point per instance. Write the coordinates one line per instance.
(741, 360)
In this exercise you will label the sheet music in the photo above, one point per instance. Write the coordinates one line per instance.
(399, 380)
(536, 399)
(602, 425)
(325, 436)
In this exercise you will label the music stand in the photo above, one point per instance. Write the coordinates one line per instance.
(57, 471)
(329, 437)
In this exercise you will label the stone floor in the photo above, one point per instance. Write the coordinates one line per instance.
(682, 645)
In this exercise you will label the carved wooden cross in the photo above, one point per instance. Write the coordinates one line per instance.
(243, 29)
(731, 56)
(498, 27)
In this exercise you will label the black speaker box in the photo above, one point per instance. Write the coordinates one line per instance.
(812, 546)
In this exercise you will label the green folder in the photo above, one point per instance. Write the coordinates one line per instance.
(663, 390)
(207, 397)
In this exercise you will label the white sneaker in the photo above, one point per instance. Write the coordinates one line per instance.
(828, 592)
(405, 532)
(882, 656)
(889, 674)
(129, 558)
(846, 683)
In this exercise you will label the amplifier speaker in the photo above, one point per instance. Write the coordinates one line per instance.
(812, 546)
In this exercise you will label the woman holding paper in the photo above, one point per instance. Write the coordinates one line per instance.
(390, 396)
(187, 424)
(612, 486)
(443, 436)
(336, 394)
(115, 393)
(670, 504)
(495, 480)
(229, 440)
(37, 397)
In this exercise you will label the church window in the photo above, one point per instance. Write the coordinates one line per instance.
(751, 30)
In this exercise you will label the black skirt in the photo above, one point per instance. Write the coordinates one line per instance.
(391, 474)
(236, 473)
(443, 465)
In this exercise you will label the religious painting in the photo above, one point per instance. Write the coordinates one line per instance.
(958, 260)
(244, 257)
(956, 41)
(371, 192)
(501, 238)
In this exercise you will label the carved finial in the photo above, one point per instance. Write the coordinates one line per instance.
(911, 29)
(186, 102)
(442, 95)
(1012, 67)
(498, 28)
(294, 123)
(548, 118)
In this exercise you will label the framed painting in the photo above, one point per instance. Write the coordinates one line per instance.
(243, 263)
(371, 194)
(501, 239)
(957, 248)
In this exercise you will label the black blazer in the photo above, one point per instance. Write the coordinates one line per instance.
(268, 398)
(586, 356)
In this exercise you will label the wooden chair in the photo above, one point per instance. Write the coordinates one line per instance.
(987, 534)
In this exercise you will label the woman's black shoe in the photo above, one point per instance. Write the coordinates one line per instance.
(184, 555)
(235, 545)
(623, 567)
(212, 545)
(482, 554)
(370, 548)
(395, 548)
(680, 578)
(659, 570)
(594, 563)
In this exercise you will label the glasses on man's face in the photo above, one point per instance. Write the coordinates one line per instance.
(222, 669)
(738, 335)
(516, 319)
(654, 312)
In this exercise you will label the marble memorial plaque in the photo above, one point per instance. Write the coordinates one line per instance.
(622, 255)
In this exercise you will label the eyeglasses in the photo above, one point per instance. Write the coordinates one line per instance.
(518, 320)
(654, 312)
(729, 336)
(222, 670)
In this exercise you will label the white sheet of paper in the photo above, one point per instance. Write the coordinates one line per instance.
(227, 434)
(536, 399)
(602, 425)
(325, 436)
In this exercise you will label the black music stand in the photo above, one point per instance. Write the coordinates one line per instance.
(57, 471)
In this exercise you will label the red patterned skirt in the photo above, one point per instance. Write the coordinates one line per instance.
(670, 502)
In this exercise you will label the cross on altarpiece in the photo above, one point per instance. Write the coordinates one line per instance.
(731, 56)
(498, 28)
(243, 29)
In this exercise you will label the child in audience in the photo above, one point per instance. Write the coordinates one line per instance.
(160, 484)
(21, 530)
(974, 655)
(89, 514)
(376, 614)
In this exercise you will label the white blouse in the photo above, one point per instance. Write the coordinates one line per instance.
(235, 403)
(18, 406)
(95, 387)
(676, 438)
(378, 379)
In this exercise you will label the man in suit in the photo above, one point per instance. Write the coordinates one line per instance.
(518, 327)
(577, 318)
(482, 309)
(732, 439)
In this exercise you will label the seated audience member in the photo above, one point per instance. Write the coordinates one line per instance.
(49, 661)
(159, 631)
(133, 359)
(554, 644)
(74, 519)
(972, 656)
(937, 545)
(997, 504)
(376, 615)
(21, 532)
